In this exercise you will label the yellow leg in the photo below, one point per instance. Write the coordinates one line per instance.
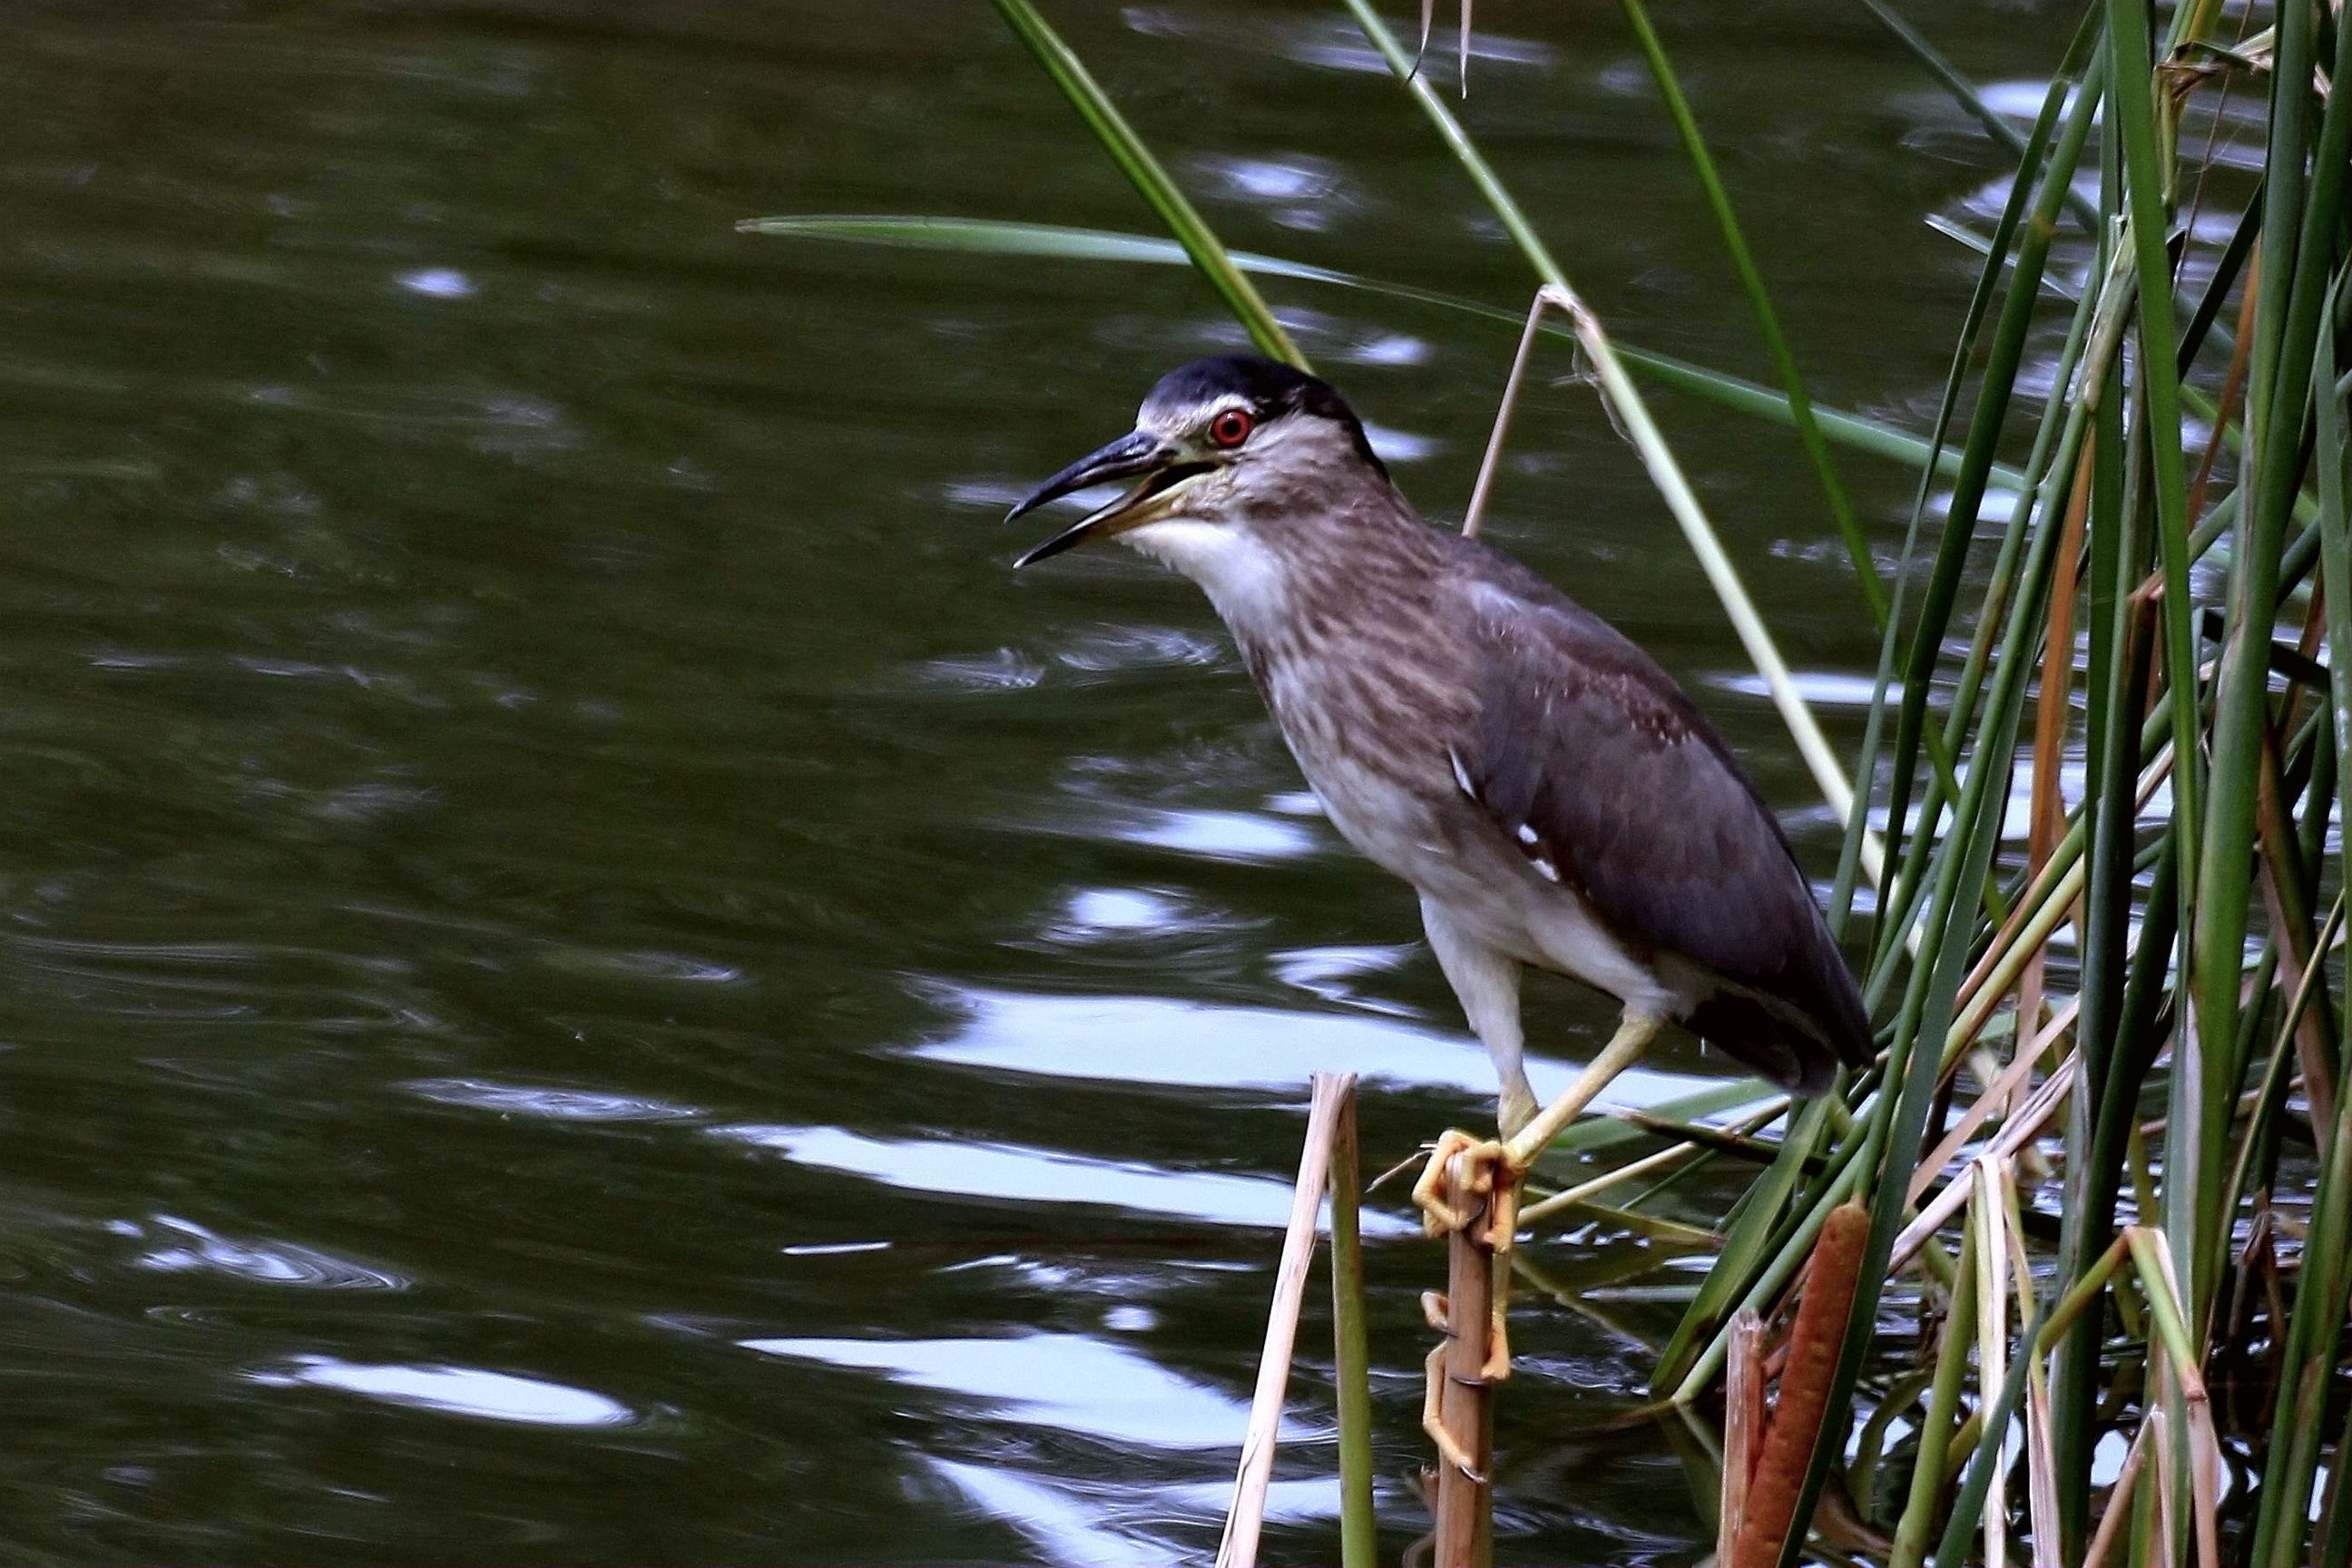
(1624, 1048)
(1633, 1037)
(1500, 1165)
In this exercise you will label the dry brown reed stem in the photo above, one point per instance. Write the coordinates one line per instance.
(1814, 1343)
(1465, 1498)
(2276, 873)
(1238, 1549)
(1997, 1093)
(2119, 1497)
(2046, 812)
(1743, 1427)
(2233, 384)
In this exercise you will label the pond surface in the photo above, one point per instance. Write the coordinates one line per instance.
(589, 976)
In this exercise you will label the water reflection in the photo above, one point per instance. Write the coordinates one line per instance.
(1158, 1040)
(1064, 1382)
(453, 1391)
(1010, 1174)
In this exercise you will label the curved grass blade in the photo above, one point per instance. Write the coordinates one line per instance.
(2004, 358)
(1135, 160)
(991, 237)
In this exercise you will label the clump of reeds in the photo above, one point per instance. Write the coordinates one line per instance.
(2106, 1153)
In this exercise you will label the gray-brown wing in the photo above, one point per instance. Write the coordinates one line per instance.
(1586, 753)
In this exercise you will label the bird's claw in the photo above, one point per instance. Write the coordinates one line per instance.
(1492, 1188)
(1433, 1423)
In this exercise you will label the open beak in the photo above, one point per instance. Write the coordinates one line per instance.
(1161, 464)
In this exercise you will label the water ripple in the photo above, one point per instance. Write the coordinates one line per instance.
(184, 1247)
(553, 1104)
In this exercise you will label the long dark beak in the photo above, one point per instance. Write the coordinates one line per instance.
(1139, 452)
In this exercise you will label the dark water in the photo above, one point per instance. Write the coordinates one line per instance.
(588, 977)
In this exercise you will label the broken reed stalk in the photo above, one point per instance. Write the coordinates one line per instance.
(1743, 1427)
(1247, 1517)
(1465, 1494)
(1815, 1340)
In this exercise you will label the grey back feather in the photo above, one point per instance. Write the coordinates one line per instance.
(1587, 754)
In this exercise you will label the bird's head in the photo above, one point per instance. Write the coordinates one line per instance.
(1219, 442)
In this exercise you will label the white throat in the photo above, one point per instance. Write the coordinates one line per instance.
(1230, 562)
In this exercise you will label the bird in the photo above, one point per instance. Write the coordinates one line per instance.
(1550, 793)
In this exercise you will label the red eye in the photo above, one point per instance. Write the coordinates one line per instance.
(1232, 427)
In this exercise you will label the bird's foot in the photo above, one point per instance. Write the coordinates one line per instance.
(1490, 1188)
(1438, 1216)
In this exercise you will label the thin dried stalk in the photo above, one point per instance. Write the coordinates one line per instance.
(1997, 1093)
(2047, 810)
(2119, 1497)
(2152, 1256)
(1584, 1191)
(1632, 417)
(2041, 1443)
(1351, 1357)
(1247, 1516)
(1993, 1333)
(2020, 1128)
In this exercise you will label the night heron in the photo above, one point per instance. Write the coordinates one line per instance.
(1548, 791)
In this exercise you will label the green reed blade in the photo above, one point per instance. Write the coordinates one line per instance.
(1632, 417)
(1351, 1358)
(1964, 92)
(1745, 1251)
(2241, 714)
(2131, 106)
(1760, 302)
(2318, 1306)
(1964, 360)
(1931, 1462)
(2003, 357)
(1899, 1125)
(1136, 161)
(1992, 1436)
(992, 237)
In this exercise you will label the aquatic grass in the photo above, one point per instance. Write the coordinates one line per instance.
(2144, 1079)
(1759, 303)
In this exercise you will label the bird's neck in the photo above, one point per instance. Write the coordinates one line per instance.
(1275, 581)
